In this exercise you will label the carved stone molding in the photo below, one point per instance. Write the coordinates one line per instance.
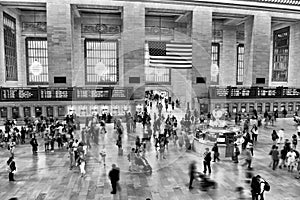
(34, 27)
(155, 30)
(101, 28)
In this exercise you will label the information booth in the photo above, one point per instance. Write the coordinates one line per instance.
(223, 137)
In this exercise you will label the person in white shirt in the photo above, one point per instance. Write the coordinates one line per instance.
(291, 160)
(281, 135)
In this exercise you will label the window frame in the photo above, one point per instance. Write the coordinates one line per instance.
(10, 52)
(240, 68)
(276, 53)
(117, 61)
(218, 60)
(27, 60)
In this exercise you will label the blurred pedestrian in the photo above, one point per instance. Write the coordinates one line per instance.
(192, 173)
(114, 176)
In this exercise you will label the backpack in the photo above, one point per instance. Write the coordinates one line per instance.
(267, 186)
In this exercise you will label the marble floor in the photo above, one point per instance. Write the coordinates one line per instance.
(47, 176)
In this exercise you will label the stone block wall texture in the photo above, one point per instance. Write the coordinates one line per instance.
(59, 36)
(133, 41)
(294, 58)
(201, 39)
(257, 49)
(228, 57)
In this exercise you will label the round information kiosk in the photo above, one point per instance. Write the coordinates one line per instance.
(217, 131)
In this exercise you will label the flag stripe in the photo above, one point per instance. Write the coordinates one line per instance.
(170, 54)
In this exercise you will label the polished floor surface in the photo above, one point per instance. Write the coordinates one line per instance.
(47, 176)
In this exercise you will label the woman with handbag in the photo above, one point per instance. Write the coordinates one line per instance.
(11, 168)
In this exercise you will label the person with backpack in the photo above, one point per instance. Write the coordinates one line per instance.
(258, 187)
(206, 161)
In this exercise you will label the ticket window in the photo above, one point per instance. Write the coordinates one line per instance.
(282, 106)
(27, 112)
(268, 107)
(251, 107)
(290, 106)
(104, 109)
(15, 112)
(234, 108)
(226, 107)
(50, 111)
(243, 107)
(115, 110)
(94, 110)
(3, 112)
(217, 106)
(83, 111)
(297, 106)
(259, 107)
(61, 111)
(38, 111)
(275, 106)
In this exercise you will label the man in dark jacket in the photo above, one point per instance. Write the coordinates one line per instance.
(11, 168)
(215, 149)
(206, 161)
(114, 176)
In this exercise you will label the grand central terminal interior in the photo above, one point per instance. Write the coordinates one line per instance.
(159, 100)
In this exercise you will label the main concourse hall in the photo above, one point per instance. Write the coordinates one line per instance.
(122, 99)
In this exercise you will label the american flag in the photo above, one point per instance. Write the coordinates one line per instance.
(170, 54)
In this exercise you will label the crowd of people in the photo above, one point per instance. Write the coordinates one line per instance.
(161, 128)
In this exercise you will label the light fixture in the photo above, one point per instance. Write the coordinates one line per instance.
(36, 68)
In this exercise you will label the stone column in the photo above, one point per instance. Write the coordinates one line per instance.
(55, 111)
(59, 36)
(257, 49)
(21, 112)
(201, 39)
(133, 45)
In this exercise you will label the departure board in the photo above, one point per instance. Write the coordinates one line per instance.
(56, 94)
(254, 92)
(19, 94)
(93, 93)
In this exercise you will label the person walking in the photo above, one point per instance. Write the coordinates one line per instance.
(274, 137)
(34, 145)
(248, 159)
(215, 149)
(254, 132)
(294, 141)
(206, 161)
(236, 153)
(114, 176)
(275, 157)
(192, 173)
(82, 162)
(11, 167)
(281, 135)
